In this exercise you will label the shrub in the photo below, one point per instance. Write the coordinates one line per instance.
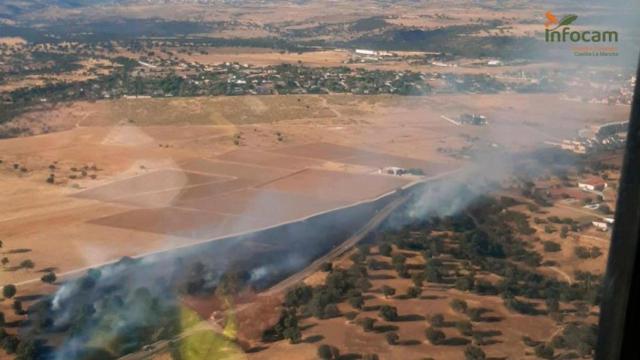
(435, 336)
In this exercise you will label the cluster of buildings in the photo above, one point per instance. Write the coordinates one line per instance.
(609, 136)
(473, 119)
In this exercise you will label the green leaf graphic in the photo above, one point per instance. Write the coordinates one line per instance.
(567, 20)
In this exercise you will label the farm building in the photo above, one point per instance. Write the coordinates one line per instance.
(600, 225)
(592, 184)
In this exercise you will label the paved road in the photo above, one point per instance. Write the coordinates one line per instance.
(380, 216)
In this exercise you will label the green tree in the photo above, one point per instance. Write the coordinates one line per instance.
(544, 351)
(551, 246)
(436, 320)
(392, 338)
(417, 278)
(27, 264)
(326, 266)
(331, 311)
(293, 334)
(385, 249)
(474, 353)
(458, 305)
(413, 291)
(464, 327)
(299, 295)
(327, 352)
(388, 291)
(388, 312)
(367, 324)
(435, 336)
(465, 283)
(475, 314)
(8, 291)
(356, 301)
(49, 278)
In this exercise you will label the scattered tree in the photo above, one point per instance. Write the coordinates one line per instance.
(413, 291)
(474, 353)
(389, 313)
(388, 291)
(49, 278)
(464, 327)
(436, 320)
(392, 338)
(328, 352)
(8, 291)
(435, 336)
(27, 264)
(458, 305)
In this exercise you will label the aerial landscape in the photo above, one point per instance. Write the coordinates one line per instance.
(309, 179)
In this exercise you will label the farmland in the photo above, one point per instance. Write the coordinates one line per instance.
(336, 180)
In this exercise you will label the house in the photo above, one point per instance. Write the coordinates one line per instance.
(592, 184)
(600, 225)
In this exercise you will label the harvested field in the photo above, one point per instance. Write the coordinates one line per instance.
(277, 206)
(350, 155)
(238, 170)
(267, 159)
(330, 185)
(179, 222)
(157, 181)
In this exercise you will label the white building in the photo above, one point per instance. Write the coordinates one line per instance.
(366, 52)
(592, 184)
(600, 225)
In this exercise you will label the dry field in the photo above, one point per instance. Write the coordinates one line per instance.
(157, 159)
(134, 177)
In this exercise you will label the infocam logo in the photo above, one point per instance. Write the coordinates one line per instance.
(559, 31)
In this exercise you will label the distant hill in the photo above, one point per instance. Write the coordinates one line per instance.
(10, 9)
